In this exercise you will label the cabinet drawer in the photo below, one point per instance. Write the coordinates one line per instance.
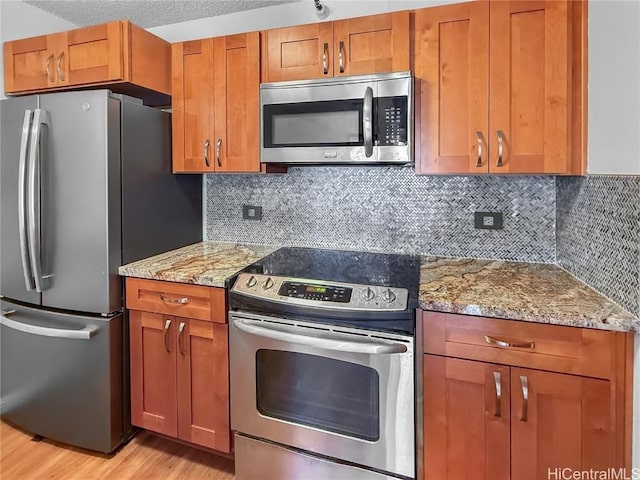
(183, 300)
(573, 350)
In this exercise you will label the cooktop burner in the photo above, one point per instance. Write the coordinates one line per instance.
(367, 290)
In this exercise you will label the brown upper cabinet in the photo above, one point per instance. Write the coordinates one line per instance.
(120, 55)
(502, 87)
(372, 44)
(215, 103)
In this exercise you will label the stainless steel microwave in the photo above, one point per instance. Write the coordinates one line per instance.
(364, 119)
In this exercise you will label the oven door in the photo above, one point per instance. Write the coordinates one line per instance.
(339, 392)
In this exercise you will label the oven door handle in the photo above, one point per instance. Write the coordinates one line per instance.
(341, 344)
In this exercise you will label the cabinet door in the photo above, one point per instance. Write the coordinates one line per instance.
(153, 372)
(452, 85)
(560, 421)
(237, 106)
(466, 419)
(91, 55)
(373, 44)
(203, 384)
(299, 53)
(29, 64)
(192, 104)
(530, 68)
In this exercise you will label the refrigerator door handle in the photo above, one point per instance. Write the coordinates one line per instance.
(33, 197)
(84, 334)
(22, 202)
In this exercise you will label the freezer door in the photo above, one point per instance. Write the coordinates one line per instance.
(61, 376)
(80, 202)
(15, 271)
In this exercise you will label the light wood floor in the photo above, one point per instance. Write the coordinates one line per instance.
(144, 457)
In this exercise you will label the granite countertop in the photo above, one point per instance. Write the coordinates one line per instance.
(519, 291)
(204, 263)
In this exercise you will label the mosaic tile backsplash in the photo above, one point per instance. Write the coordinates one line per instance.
(598, 234)
(386, 208)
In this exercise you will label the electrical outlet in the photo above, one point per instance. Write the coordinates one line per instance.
(488, 220)
(252, 212)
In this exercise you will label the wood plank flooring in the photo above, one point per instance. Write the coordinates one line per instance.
(144, 457)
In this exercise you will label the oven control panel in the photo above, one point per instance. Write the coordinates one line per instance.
(313, 293)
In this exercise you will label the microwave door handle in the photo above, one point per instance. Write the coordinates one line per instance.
(22, 202)
(367, 129)
(284, 334)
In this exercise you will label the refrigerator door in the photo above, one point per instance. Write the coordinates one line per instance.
(80, 201)
(61, 375)
(161, 211)
(16, 279)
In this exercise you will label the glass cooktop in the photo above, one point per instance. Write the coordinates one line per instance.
(377, 270)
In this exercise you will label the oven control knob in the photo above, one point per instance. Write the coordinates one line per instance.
(251, 282)
(268, 283)
(388, 296)
(368, 294)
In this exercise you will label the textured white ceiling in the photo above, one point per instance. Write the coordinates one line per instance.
(145, 13)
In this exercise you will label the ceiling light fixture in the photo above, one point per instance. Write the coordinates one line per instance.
(322, 12)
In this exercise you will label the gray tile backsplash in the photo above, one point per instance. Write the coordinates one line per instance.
(598, 234)
(386, 208)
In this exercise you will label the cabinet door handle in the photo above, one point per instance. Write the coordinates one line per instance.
(218, 151)
(180, 340)
(48, 69)
(58, 68)
(341, 57)
(500, 147)
(325, 58)
(167, 325)
(479, 138)
(525, 397)
(180, 301)
(496, 379)
(207, 144)
(505, 344)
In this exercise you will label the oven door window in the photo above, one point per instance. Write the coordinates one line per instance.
(319, 392)
(336, 123)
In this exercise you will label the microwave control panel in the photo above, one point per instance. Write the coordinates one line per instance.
(392, 121)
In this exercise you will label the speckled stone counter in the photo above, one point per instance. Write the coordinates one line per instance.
(519, 291)
(205, 263)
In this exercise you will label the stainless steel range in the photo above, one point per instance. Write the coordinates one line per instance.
(322, 366)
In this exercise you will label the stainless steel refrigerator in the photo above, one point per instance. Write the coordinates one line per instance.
(85, 186)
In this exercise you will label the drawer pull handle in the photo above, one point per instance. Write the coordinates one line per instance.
(167, 325)
(502, 343)
(180, 339)
(496, 379)
(179, 301)
(525, 397)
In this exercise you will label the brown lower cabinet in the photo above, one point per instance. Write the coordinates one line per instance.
(488, 416)
(179, 366)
